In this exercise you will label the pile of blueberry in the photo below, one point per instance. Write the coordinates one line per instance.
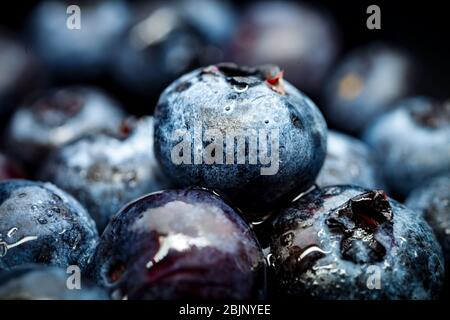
(234, 184)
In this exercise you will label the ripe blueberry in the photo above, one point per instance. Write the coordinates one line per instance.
(179, 244)
(346, 242)
(41, 224)
(242, 131)
(57, 118)
(349, 161)
(412, 143)
(106, 170)
(432, 201)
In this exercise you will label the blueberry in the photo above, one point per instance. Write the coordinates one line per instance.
(149, 57)
(432, 201)
(114, 166)
(37, 282)
(346, 242)
(298, 37)
(365, 85)
(19, 74)
(9, 169)
(169, 39)
(349, 161)
(41, 224)
(58, 117)
(412, 142)
(179, 244)
(243, 131)
(74, 53)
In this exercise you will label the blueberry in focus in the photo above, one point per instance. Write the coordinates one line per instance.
(347, 242)
(298, 37)
(106, 170)
(9, 169)
(41, 224)
(72, 53)
(412, 142)
(37, 282)
(58, 117)
(18, 74)
(432, 201)
(349, 161)
(243, 131)
(179, 244)
(365, 85)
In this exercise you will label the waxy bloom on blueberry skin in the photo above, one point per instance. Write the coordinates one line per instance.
(40, 223)
(106, 170)
(432, 201)
(347, 242)
(349, 161)
(58, 117)
(180, 244)
(412, 142)
(243, 131)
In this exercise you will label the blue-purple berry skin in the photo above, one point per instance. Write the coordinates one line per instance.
(346, 242)
(228, 98)
(106, 170)
(349, 161)
(432, 201)
(42, 224)
(412, 143)
(57, 117)
(180, 244)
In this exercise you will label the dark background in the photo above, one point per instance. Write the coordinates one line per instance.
(421, 27)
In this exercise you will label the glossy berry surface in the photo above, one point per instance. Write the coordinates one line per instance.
(9, 169)
(365, 85)
(351, 243)
(180, 244)
(432, 201)
(412, 142)
(70, 50)
(116, 166)
(298, 37)
(41, 224)
(349, 161)
(58, 117)
(36, 282)
(219, 102)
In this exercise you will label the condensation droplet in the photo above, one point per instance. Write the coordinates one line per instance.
(240, 87)
(11, 232)
(42, 220)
